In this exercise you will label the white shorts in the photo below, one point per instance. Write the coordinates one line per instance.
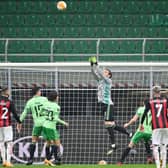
(6, 134)
(160, 136)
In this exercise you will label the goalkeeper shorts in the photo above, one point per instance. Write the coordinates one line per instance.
(50, 134)
(108, 110)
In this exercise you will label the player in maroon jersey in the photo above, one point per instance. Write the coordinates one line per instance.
(6, 134)
(159, 110)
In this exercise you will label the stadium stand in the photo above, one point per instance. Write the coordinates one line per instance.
(84, 19)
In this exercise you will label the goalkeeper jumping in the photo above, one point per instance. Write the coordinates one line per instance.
(104, 98)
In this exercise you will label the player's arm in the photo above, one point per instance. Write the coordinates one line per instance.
(132, 120)
(97, 72)
(62, 122)
(94, 65)
(147, 108)
(13, 110)
(25, 111)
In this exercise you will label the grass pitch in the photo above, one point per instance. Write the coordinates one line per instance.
(89, 166)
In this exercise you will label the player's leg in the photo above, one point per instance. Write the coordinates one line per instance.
(56, 152)
(48, 161)
(126, 153)
(122, 130)
(155, 143)
(8, 138)
(156, 155)
(47, 150)
(2, 146)
(55, 149)
(134, 140)
(109, 121)
(163, 155)
(109, 111)
(147, 139)
(35, 136)
(109, 125)
(9, 152)
(163, 150)
(9, 144)
(48, 136)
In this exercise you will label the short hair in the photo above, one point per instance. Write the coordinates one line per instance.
(156, 89)
(35, 90)
(4, 88)
(110, 73)
(52, 96)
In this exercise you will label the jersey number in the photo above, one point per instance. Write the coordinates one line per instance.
(159, 109)
(37, 109)
(50, 115)
(5, 112)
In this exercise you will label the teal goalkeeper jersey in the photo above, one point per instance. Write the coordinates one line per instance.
(34, 105)
(148, 120)
(51, 110)
(104, 86)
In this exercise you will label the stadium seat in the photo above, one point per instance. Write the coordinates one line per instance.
(157, 46)
(85, 19)
(2, 46)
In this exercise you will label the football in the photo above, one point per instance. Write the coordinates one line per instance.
(102, 162)
(61, 5)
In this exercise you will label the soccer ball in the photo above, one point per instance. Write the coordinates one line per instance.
(102, 162)
(61, 5)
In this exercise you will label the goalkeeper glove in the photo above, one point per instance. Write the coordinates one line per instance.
(93, 61)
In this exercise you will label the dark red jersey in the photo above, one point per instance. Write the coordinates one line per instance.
(159, 110)
(6, 108)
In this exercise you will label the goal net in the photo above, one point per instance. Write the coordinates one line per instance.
(86, 140)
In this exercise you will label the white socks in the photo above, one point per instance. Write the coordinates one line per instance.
(160, 158)
(9, 151)
(3, 151)
(163, 155)
(156, 155)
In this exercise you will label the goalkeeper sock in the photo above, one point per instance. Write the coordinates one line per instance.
(156, 155)
(125, 154)
(48, 153)
(111, 134)
(9, 151)
(121, 129)
(3, 152)
(163, 155)
(54, 151)
(32, 150)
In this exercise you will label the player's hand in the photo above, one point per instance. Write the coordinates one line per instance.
(66, 124)
(141, 128)
(93, 60)
(19, 127)
(126, 125)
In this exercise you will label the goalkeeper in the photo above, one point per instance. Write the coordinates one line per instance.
(34, 106)
(139, 135)
(104, 98)
(51, 110)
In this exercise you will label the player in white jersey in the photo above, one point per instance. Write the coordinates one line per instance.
(104, 98)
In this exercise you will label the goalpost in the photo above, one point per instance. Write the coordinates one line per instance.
(86, 140)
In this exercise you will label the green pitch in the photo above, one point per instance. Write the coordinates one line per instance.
(90, 166)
